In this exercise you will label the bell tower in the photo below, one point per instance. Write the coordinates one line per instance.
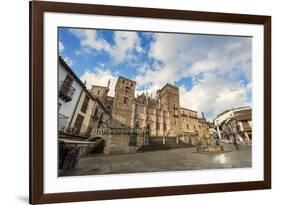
(123, 100)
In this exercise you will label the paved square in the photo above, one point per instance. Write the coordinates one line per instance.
(159, 161)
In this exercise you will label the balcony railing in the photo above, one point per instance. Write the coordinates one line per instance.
(62, 122)
(66, 92)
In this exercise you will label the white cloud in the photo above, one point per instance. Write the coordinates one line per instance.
(100, 76)
(90, 40)
(68, 60)
(124, 43)
(214, 63)
(215, 66)
(61, 47)
(214, 94)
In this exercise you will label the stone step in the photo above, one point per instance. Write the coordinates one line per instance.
(154, 147)
(159, 140)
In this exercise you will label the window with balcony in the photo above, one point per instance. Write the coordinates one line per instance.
(85, 104)
(78, 123)
(66, 90)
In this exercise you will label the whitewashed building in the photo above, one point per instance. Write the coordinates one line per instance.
(226, 115)
(69, 91)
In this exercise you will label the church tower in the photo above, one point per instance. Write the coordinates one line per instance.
(123, 100)
(170, 103)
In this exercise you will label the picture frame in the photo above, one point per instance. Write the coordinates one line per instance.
(37, 95)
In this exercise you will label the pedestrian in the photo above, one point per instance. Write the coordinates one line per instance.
(217, 142)
(76, 158)
(235, 143)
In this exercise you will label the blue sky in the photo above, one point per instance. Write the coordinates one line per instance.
(212, 72)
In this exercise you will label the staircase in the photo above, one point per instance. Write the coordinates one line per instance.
(156, 143)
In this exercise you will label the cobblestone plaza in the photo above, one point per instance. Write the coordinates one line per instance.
(162, 160)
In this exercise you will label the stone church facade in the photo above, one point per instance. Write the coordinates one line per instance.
(162, 113)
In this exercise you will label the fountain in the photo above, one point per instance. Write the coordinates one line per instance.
(207, 145)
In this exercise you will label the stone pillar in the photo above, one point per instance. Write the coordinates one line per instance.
(133, 115)
(247, 136)
(219, 132)
(145, 115)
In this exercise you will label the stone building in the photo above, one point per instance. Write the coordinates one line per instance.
(162, 114)
(100, 92)
(121, 124)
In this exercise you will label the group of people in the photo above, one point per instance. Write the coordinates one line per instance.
(69, 157)
(237, 141)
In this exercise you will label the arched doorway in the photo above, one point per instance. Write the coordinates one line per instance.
(99, 146)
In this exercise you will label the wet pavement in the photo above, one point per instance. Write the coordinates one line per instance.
(164, 160)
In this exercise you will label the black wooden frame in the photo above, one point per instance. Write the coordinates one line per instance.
(37, 9)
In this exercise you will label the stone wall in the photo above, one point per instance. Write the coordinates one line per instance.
(120, 144)
(120, 140)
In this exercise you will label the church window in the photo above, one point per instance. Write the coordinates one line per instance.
(157, 125)
(125, 100)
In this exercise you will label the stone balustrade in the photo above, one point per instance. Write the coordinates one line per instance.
(117, 131)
